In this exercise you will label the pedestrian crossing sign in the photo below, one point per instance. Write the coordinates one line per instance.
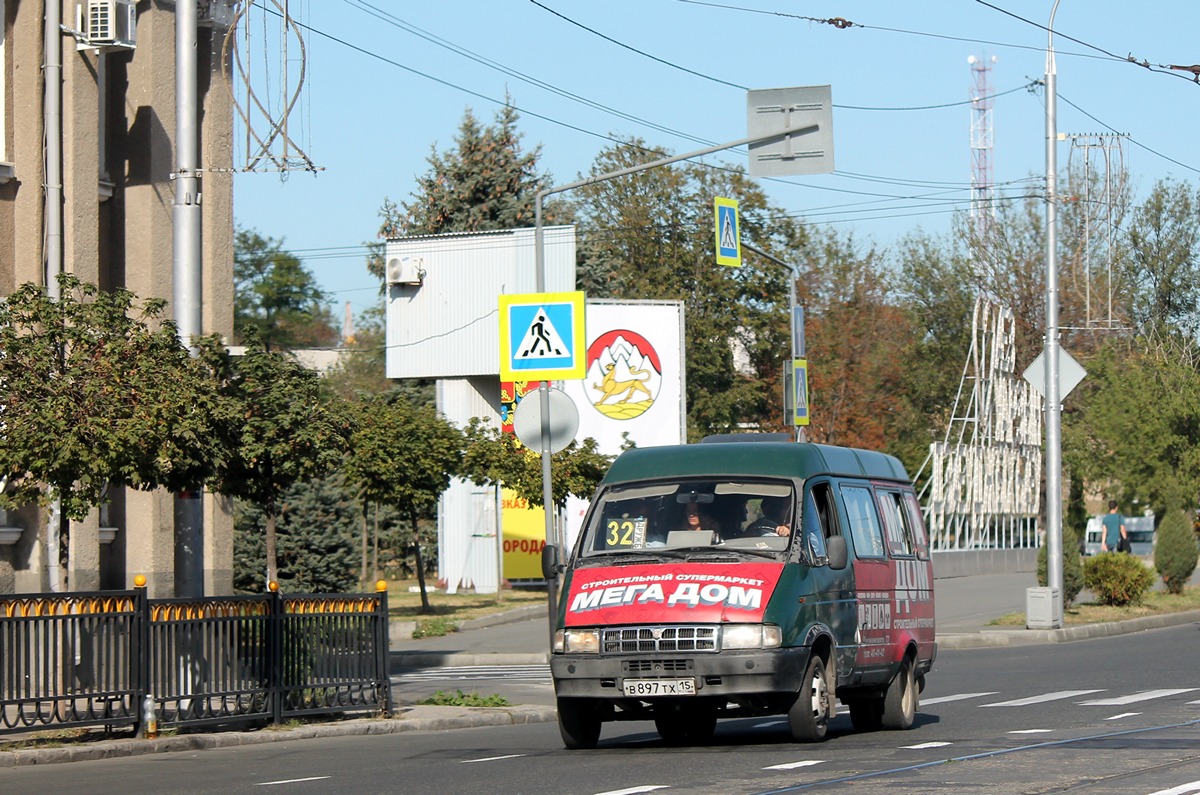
(542, 337)
(729, 236)
(800, 393)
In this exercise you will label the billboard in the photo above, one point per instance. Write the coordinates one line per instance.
(634, 385)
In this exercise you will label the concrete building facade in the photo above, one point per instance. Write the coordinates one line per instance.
(117, 131)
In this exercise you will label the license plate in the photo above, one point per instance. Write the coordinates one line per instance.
(660, 687)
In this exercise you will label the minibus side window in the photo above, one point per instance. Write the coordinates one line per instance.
(864, 522)
(822, 520)
(895, 523)
(917, 525)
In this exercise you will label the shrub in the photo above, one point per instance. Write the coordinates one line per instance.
(435, 627)
(1117, 578)
(1072, 566)
(1175, 552)
(460, 699)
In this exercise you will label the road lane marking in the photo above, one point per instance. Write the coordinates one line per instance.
(1055, 696)
(491, 758)
(920, 746)
(532, 673)
(1123, 715)
(769, 724)
(634, 790)
(1182, 789)
(925, 702)
(291, 781)
(1145, 695)
(794, 765)
(1031, 731)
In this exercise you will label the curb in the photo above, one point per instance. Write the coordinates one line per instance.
(430, 719)
(1025, 637)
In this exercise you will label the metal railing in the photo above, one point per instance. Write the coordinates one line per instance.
(86, 659)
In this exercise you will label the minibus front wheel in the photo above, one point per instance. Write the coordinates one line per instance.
(578, 723)
(810, 712)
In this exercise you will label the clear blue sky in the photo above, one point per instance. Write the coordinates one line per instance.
(386, 80)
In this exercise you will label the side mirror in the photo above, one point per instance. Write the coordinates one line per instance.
(839, 555)
(550, 564)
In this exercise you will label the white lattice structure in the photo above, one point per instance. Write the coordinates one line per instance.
(985, 475)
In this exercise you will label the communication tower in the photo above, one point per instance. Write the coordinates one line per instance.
(983, 208)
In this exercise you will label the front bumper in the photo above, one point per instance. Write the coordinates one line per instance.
(756, 672)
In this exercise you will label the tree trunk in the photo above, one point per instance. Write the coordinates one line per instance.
(362, 577)
(272, 568)
(375, 548)
(420, 564)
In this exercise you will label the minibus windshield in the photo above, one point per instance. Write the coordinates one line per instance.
(688, 514)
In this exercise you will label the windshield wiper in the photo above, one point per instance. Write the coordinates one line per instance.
(733, 554)
(627, 559)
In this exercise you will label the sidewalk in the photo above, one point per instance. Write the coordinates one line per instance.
(963, 610)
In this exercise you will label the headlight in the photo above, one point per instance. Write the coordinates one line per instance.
(577, 641)
(750, 636)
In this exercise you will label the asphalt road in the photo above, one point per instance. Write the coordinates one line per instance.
(1107, 716)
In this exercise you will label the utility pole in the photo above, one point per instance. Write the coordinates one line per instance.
(185, 217)
(1054, 560)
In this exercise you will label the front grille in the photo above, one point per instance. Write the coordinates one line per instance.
(633, 667)
(627, 640)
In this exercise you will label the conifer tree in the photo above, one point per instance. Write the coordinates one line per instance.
(1175, 552)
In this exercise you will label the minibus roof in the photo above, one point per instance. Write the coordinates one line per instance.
(763, 459)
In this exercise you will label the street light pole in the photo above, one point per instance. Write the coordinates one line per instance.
(540, 264)
(1054, 551)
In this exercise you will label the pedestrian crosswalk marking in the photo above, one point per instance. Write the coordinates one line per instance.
(527, 673)
(1145, 695)
(1056, 696)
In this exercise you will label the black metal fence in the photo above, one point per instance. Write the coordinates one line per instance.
(116, 658)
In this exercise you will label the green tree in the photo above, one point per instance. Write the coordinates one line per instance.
(404, 456)
(285, 432)
(277, 297)
(1163, 267)
(486, 181)
(493, 457)
(1175, 551)
(650, 236)
(97, 390)
(1136, 424)
(315, 535)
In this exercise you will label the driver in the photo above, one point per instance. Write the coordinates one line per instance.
(775, 518)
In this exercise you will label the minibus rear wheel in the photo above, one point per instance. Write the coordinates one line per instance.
(900, 702)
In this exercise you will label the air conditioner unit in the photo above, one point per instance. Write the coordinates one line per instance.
(405, 270)
(111, 23)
